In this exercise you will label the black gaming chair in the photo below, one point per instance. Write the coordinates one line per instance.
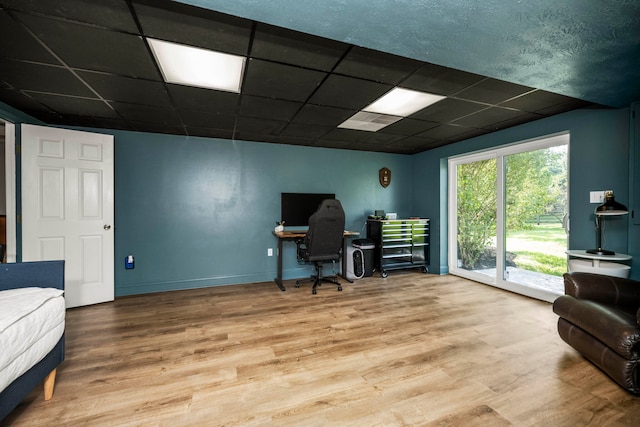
(323, 241)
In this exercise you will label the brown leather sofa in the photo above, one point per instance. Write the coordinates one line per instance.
(600, 317)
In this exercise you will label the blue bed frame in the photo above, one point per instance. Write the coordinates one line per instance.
(43, 274)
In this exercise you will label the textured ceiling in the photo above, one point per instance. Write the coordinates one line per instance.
(87, 63)
(586, 49)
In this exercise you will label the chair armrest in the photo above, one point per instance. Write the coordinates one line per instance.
(606, 289)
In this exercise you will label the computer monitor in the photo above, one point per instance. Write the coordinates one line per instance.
(296, 208)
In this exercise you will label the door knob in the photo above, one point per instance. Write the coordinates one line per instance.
(107, 227)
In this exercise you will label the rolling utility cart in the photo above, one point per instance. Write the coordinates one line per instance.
(401, 243)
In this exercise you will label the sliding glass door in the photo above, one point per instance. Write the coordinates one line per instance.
(510, 209)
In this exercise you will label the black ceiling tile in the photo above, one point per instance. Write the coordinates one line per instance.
(535, 100)
(350, 135)
(492, 91)
(471, 134)
(262, 126)
(127, 89)
(206, 119)
(96, 122)
(157, 128)
(194, 98)
(348, 92)
(91, 48)
(17, 43)
(440, 80)
(414, 142)
(195, 27)
(209, 132)
(445, 131)
(408, 127)
(563, 107)
(320, 115)
(295, 48)
(517, 120)
(376, 148)
(257, 137)
(74, 106)
(437, 143)
(273, 80)
(330, 143)
(377, 66)
(22, 102)
(447, 110)
(147, 113)
(486, 119)
(382, 138)
(113, 14)
(362, 146)
(49, 117)
(293, 140)
(305, 130)
(277, 109)
(42, 78)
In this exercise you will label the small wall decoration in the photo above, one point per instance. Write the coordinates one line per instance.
(384, 175)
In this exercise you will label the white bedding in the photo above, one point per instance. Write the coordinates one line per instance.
(31, 324)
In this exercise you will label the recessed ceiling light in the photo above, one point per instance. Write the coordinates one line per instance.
(402, 102)
(192, 66)
(390, 108)
(370, 122)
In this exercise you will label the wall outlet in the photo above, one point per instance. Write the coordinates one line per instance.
(596, 197)
(270, 252)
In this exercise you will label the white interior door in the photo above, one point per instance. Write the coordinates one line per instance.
(67, 208)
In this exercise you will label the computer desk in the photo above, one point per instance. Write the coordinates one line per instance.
(294, 235)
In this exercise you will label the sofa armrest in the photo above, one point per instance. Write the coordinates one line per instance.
(606, 289)
(611, 325)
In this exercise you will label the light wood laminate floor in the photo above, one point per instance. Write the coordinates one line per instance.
(411, 349)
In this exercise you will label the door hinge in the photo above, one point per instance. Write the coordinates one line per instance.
(19, 219)
(18, 148)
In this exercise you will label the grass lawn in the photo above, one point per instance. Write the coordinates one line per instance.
(540, 249)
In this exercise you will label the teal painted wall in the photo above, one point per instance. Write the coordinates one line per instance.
(599, 160)
(199, 212)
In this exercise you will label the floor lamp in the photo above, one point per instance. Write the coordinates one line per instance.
(609, 208)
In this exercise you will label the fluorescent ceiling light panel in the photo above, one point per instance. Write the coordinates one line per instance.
(192, 66)
(370, 122)
(403, 102)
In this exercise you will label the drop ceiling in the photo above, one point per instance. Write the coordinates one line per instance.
(86, 63)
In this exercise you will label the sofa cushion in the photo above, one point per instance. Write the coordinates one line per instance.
(613, 326)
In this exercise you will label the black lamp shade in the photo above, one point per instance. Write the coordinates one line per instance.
(610, 206)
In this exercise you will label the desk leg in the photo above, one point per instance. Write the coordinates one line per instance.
(278, 279)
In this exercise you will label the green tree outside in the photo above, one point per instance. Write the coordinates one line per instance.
(536, 183)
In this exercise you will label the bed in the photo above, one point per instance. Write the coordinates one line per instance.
(31, 329)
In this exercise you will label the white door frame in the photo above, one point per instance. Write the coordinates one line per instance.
(498, 153)
(10, 183)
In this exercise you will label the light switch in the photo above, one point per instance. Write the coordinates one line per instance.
(596, 196)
